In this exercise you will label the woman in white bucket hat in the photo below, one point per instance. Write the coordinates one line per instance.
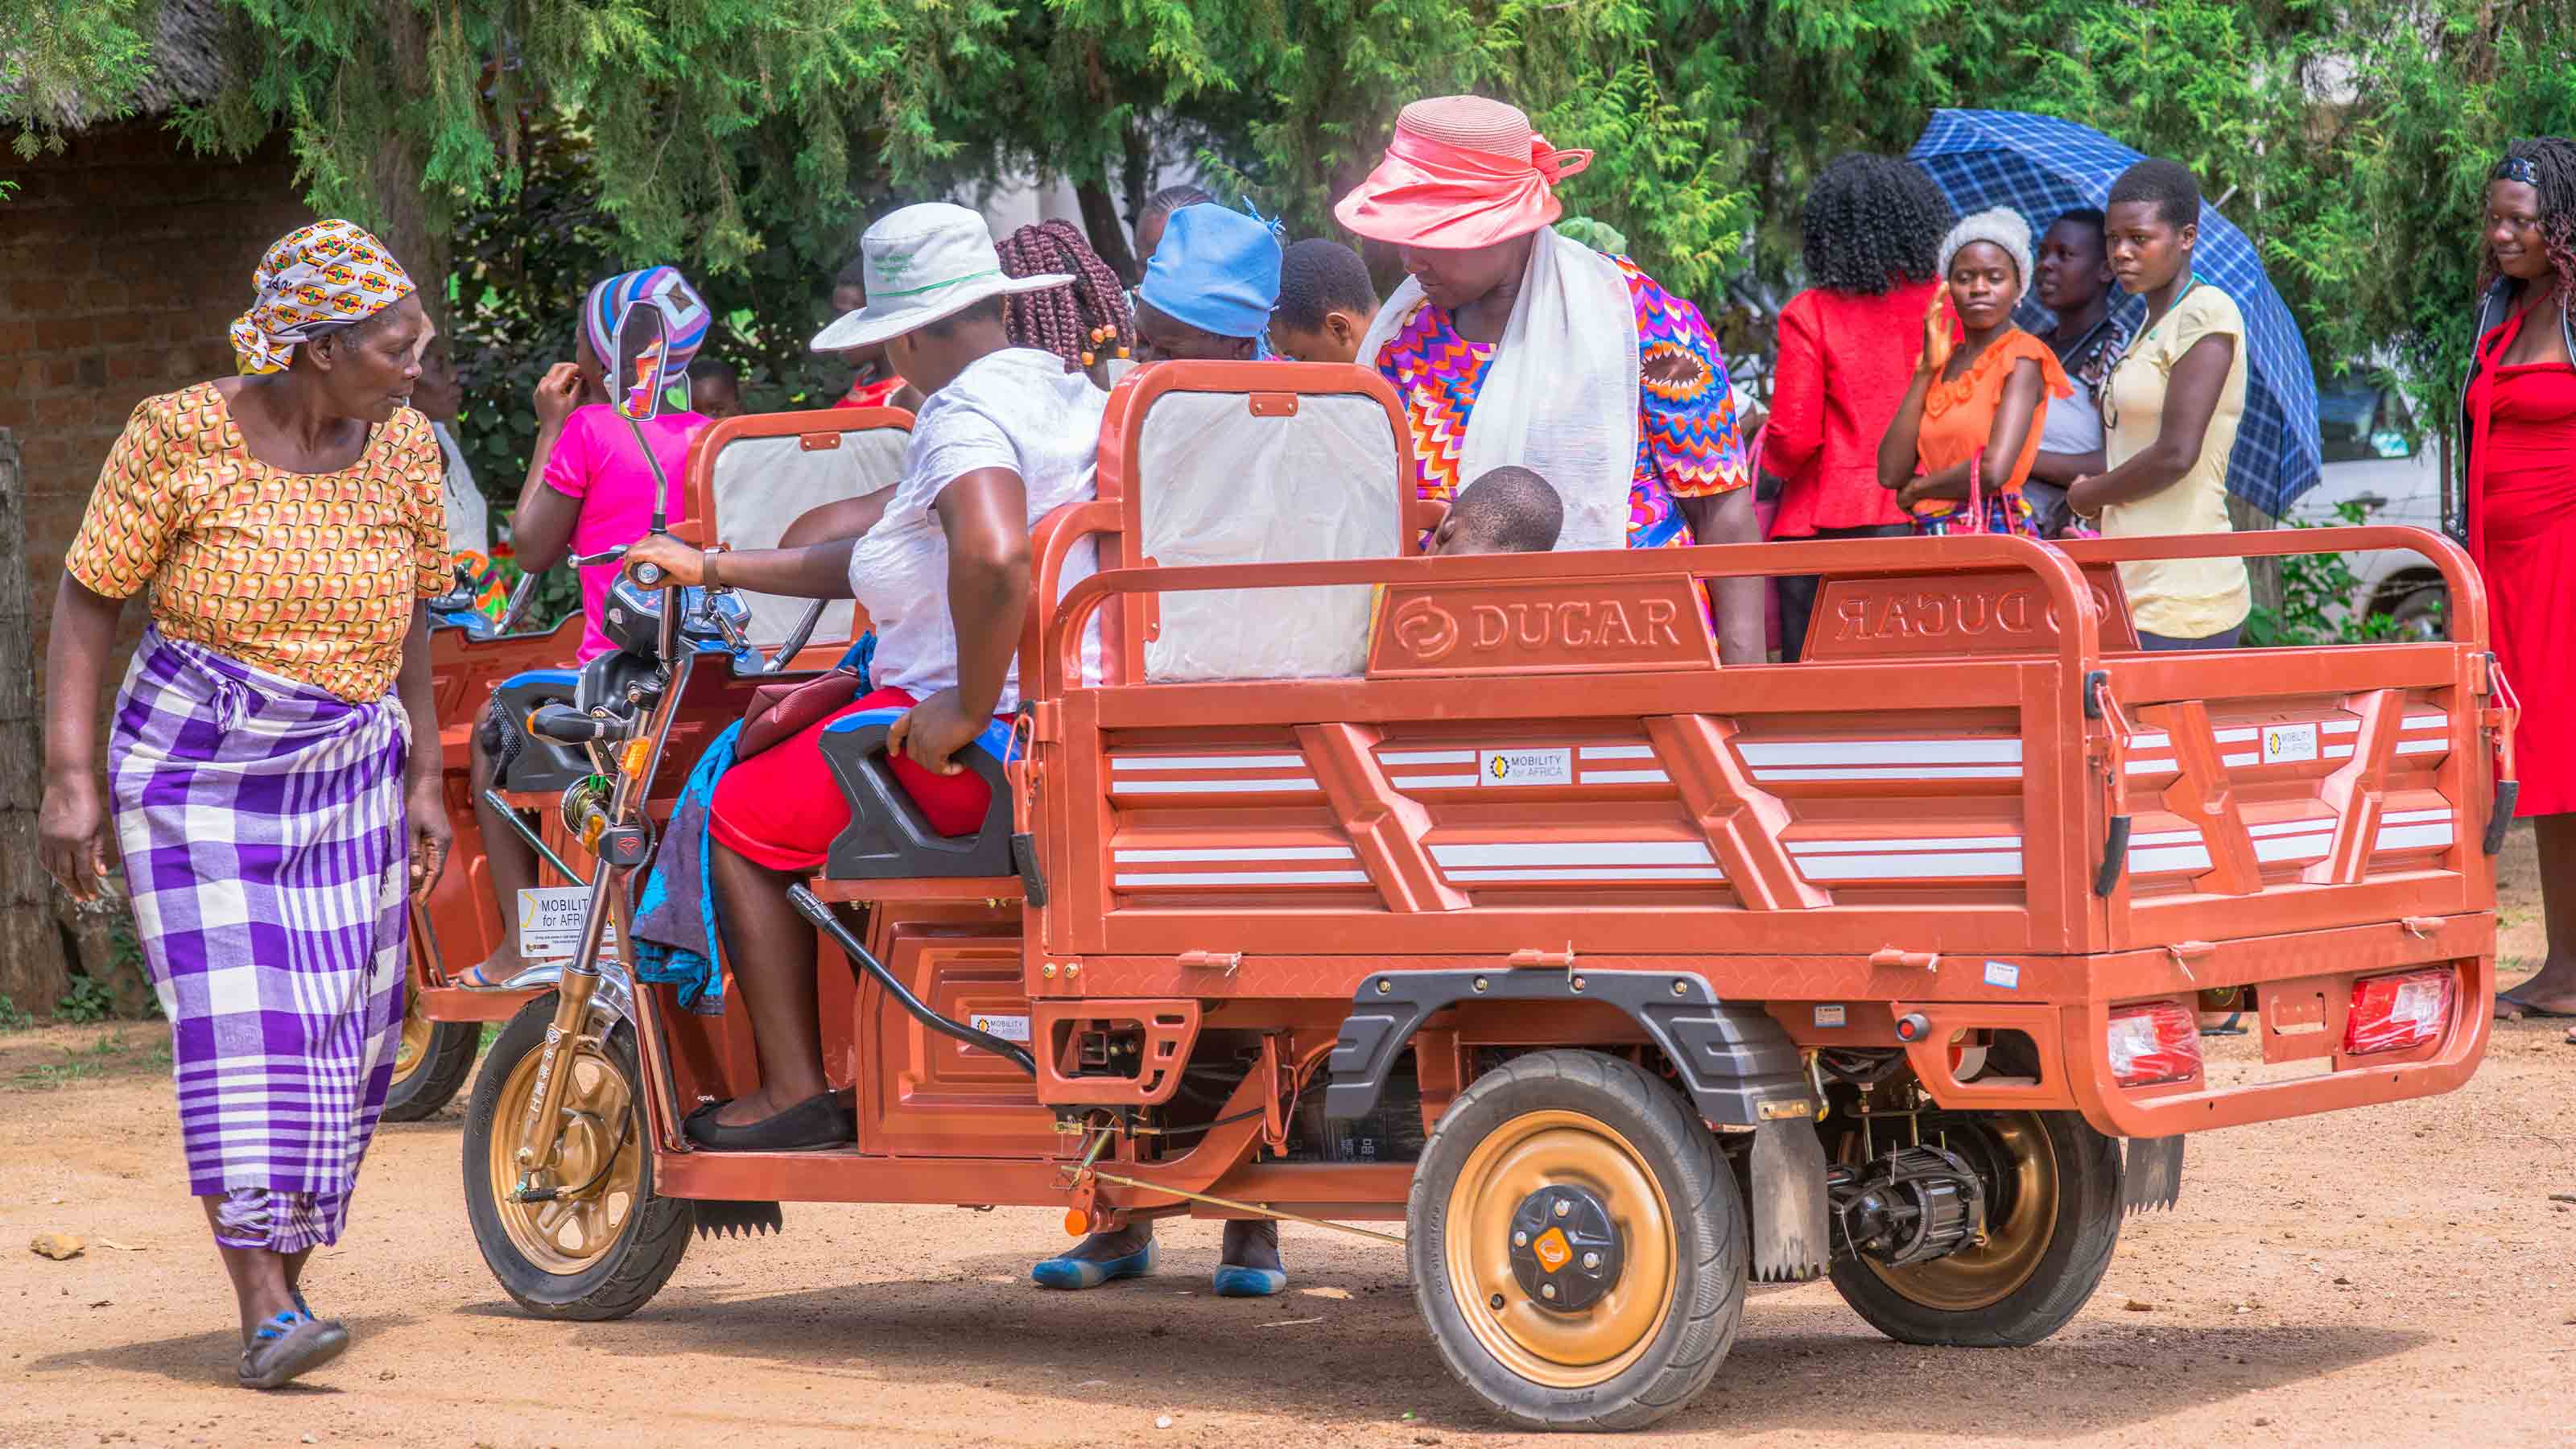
(1005, 435)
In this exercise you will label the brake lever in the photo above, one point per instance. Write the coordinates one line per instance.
(594, 560)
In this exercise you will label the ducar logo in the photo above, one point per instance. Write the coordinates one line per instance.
(1425, 629)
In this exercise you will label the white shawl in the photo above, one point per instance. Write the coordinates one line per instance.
(1561, 395)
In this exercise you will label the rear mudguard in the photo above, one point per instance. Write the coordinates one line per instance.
(1735, 1061)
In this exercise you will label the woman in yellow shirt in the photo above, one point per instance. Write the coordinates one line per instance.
(2170, 410)
(274, 764)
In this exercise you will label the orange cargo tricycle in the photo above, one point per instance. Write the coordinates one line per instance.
(1491, 905)
(773, 468)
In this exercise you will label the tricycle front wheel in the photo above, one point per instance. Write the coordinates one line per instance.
(605, 1244)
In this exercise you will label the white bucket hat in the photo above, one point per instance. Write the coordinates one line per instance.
(924, 263)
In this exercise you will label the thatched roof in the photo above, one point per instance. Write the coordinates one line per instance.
(189, 64)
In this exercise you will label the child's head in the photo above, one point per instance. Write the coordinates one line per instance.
(1325, 303)
(1156, 214)
(1506, 510)
(849, 294)
(2151, 224)
(715, 388)
(1986, 262)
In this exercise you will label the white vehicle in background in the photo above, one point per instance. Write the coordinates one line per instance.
(2376, 457)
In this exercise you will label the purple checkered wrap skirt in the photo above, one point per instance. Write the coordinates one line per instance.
(265, 847)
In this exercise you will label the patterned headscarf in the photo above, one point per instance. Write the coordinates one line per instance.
(684, 316)
(329, 272)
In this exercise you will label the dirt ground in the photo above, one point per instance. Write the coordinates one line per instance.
(2394, 1276)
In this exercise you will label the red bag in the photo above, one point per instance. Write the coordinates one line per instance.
(780, 710)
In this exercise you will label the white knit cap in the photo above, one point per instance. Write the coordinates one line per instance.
(1998, 224)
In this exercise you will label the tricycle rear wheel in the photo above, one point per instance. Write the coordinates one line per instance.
(1576, 1250)
(608, 1245)
(2052, 1218)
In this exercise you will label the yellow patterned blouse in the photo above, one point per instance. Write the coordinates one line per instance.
(308, 575)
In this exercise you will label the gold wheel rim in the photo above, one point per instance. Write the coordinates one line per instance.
(1560, 1350)
(417, 1029)
(568, 1235)
(1984, 1274)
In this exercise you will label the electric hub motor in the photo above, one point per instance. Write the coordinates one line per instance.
(1911, 1205)
(1566, 1252)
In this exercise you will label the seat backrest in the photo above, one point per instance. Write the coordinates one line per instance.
(752, 476)
(1254, 462)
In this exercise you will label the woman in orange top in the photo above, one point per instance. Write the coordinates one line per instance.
(1978, 399)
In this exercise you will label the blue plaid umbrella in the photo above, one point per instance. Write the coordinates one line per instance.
(2043, 167)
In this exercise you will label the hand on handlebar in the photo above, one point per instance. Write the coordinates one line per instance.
(932, 732)
(679, 563)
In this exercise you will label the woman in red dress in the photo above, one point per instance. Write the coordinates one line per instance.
(2520, 420)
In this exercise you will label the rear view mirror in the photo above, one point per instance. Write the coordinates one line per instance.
(640, 379)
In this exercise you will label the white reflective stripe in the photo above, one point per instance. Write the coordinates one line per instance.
(1249, 852)
(2156, 741)
(2338, 752)
(1211, 787)
(1626, 777)
(1889, 752)
(2424, 747)
(2180, 857)
(1618, 752)
(2293, 827)
(1592, 873)
(2341, 727)
(1931, 772)
(2401, 817)
(1911, 867)
(1426, 757)
(1575, 852)
(2293, 847)
(2423, 721)
(2165, 837)
(1955, 842)
(2153, 767)
(1207, 762)
(2229, 737)
(2408, 837)
(1433, 782)
(2232, 761)
(1244, 877)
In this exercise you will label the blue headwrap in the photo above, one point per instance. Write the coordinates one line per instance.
(684, 319)
(1218, 271)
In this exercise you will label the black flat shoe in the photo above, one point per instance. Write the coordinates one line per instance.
(811, 1125)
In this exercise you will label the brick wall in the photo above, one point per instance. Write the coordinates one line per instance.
(122, 261)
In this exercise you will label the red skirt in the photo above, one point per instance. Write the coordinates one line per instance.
(782, 807)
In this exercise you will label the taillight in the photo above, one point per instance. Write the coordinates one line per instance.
(2157, 1042)
(2392, 1013)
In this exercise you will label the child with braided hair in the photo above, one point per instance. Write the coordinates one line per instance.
(1086, 324)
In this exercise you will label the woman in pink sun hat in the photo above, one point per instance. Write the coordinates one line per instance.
(1513, 345)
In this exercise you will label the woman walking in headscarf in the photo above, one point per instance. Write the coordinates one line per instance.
(273, 797)
(1513, 344)
(589, 489)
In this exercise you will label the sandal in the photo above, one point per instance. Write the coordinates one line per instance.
(472, 978)
(813, 1125)
(289, 1345)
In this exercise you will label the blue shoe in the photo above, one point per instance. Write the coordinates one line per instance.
(1078, 1273)
(1238, 1282)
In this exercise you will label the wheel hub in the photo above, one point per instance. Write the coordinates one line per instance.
(1566, 1251)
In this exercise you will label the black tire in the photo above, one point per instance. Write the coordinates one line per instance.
(1703, 1240)
(435, 1076)
(651, 1234)
(1928, 1303)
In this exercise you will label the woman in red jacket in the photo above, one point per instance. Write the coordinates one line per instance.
(1847, 345)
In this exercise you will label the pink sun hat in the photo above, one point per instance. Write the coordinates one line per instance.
(1462, 171)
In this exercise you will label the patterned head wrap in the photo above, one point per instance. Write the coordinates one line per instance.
(329, 272)
(684, 316)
